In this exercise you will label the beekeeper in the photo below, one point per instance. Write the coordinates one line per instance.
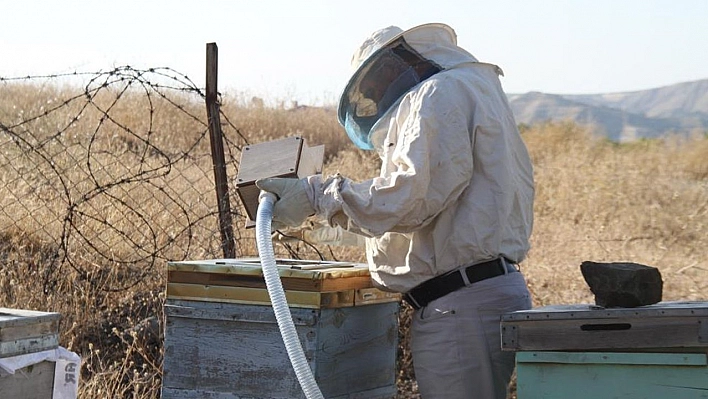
(449, 217)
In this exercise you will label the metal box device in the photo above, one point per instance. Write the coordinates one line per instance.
(222, 339)
(23, 332)
(584, 351)
(288, 157)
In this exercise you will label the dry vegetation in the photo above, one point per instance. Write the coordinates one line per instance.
(645, 202)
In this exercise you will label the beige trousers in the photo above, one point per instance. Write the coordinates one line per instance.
(456, 340)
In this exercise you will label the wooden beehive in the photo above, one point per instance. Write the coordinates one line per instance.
(666, 325)
(24, 332)
(627, 375)
(27, 331)
(288, 157)
(222, 338)
(584, 351)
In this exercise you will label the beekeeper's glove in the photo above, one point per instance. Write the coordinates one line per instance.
(316, 233)
(293, 206)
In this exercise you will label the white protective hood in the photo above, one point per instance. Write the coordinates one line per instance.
(456, 184)
(436, 43)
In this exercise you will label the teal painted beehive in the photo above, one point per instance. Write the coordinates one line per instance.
(222, 339)
(597, 375)
(583, 351)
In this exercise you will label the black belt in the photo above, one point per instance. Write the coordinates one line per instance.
(444, 284)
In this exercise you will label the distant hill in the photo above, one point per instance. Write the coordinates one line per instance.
(681, 108)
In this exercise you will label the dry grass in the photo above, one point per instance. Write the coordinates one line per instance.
(645, 202)
(641, 202)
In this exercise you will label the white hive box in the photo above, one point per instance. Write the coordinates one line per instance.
(27, 331)
(23, 332)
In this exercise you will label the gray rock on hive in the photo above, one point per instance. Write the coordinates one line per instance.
(624, 285)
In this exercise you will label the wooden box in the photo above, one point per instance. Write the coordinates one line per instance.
(665, 326)
(27, 331)
(599, 375)
(32, 382)
(23, 332)
(222, 339)
(288, 157)
(583, 351)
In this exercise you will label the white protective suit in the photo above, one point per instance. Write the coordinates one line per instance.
(455, 189)
(456, 184)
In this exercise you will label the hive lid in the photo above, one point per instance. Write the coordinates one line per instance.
(27, 331)
(17, 317)
(287, 268)
(587, 311)
(681, 326)
(306, 282)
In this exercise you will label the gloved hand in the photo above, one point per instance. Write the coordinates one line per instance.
(293, 205)
(316, 233)
(309, 232)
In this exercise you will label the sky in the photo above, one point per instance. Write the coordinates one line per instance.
(300, 50)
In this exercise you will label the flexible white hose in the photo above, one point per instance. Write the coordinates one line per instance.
(303, 372)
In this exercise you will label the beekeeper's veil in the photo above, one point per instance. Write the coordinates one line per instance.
(387, 65)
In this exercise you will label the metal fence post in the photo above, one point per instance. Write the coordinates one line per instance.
(217, 151)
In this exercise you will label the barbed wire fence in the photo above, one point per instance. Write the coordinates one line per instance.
(113, 171)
